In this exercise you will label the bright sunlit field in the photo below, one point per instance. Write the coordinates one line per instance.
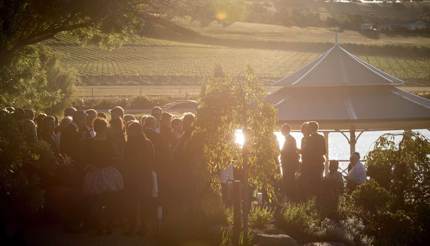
(177, 64)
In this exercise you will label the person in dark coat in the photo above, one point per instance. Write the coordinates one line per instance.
(138, 167)
(289, 161)
(313, 152)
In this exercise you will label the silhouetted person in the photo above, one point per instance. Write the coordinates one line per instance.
(289, 160)
(357, 173)
(91, 116)
(70, 111)
(48, 134)
(156, 112)
(117, 112)
(333, 189)
(103, 181)
(138, 167)
(116, 135)
(313, 151)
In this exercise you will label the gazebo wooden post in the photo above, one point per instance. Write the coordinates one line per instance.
(327, 161)
(352, 141)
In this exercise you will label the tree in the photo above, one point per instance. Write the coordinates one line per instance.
(30, 75)
(394, 205)
(26, 22)
(228, 104)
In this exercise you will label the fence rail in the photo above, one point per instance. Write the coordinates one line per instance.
(106, 91)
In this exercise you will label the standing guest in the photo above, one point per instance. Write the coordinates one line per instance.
(289, 160)
(102, 115)
(177, 128)
(117, 136)
(165, 159)
(128, 118)
(138, 167)
(143, 119)
(29, 114)
(29, 126)
(333, 188)
(91, 116)
(357, 173)
(102, 181)
(156, 112)
(74, 135)
(39, 118)
(182, 154)
(313, 152)
(150, 131)
(70, 111)
(117, 112)
(48, 134)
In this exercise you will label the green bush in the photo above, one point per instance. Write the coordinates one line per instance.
(394, 206)
(22, 162)
(259, 217)
(299, 220)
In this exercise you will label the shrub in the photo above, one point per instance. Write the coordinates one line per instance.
(260, 217)
(300, 220)
(394, 206)
(22, 162)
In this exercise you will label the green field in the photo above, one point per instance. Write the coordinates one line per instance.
(272, 51)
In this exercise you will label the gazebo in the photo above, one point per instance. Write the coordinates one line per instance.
(345, 94)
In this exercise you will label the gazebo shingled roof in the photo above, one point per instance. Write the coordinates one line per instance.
(342, 92)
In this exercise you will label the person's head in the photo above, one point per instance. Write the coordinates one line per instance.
(143, 119)
(49, 123)
(305, 129)
(334, 166)
(355, 157)
(285, 129)
(40, 118)
(177, 125)
(80, 118)
(134, 129)
(66, 121)
(313, 127)
(188, 121)
(70, 111)
(10, 109)
(29, 114)
(100, 127)
(19, 114)
(156, 112)
(91, 116)
(165, 120)
(129, 117)
(117, 112)
(102, 115)
(150, 122)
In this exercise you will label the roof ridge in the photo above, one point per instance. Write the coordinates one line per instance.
(314, 66)
(372, 68)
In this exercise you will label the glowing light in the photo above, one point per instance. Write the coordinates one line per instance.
(239, 137)
(280, 139)
(221, 15)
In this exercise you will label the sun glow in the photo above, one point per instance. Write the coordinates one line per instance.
(239, 137)
(221, 15)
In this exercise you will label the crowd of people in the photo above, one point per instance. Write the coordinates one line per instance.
(141, 166)
(303, 169)
(122, 169)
